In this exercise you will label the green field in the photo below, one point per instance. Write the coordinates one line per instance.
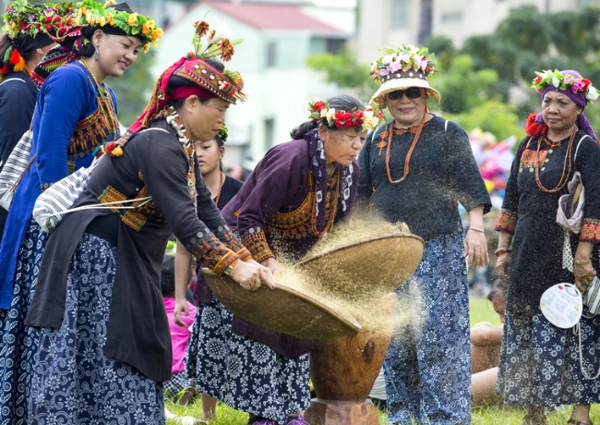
(481, 310)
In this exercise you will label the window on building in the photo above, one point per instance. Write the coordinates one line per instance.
(400, 13)
(269, 132)
(333, 45)
(271, 54)
(450, 17)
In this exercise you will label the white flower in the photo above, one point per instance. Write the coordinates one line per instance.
(555, 81)
(330, 114)
(223, 31)
(323, 112)
(592, 93)
(369, 113)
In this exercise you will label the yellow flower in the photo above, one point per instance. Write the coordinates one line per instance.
(132, 19)
(102, 21)
(147, 27)
(147, 48)
(156, 34)
(109, 2)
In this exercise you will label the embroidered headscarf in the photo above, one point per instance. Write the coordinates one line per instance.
(570, 83)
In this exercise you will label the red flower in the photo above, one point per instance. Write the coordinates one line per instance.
(586, 83)
(537, 79)
(534, 128)
(343, 119)
(319, 105)
(358, 114)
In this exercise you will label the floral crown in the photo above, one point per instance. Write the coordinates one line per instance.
(405, 58)
(357, 118)
(93, 14)
(577, 85)
(24, 19)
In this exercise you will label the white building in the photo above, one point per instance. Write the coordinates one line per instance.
(394, 22)
(278, 38)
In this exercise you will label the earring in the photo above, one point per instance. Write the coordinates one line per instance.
(96, 54)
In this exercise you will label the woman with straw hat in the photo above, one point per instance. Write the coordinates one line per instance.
(104, 336)
(416, 170)
(542, 365)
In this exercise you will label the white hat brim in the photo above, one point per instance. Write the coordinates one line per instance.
(400, 84)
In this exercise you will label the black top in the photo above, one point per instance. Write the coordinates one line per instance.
(138, 331)
(442, 173)
(530, 213)
(228, 191)
(17, 101)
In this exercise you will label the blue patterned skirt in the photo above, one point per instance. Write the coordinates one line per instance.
(20, 343)
(243, 373)
(539, 363)
(428, 365)
(73, 381)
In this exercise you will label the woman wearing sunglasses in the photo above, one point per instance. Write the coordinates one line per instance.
(416, 170)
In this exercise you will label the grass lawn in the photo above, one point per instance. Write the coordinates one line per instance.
(481, 310)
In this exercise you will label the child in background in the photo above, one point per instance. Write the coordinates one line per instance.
(179, 387)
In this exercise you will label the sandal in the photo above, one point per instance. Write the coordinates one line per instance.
(258, 420)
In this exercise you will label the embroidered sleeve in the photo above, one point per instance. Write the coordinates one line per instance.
(256, 241)
(590, 230)
(225, 234)
(507, 221)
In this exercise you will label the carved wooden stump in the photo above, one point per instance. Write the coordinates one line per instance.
(343, 371)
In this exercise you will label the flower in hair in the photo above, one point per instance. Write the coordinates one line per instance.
(357, 118)
(210, 43)
(223, 133)
(564, 82)
(92, 14)
(24, 19)
(404, 58)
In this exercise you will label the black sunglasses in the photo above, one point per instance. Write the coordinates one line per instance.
(411, 93)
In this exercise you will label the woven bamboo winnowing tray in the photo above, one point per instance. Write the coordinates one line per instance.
(283, 309)
(377, 265)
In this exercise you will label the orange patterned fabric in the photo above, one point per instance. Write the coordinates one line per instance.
(256, 242)
(590, 231)
(528, 158)
(507, 221)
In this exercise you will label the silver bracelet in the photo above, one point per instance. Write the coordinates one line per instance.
(476, 229)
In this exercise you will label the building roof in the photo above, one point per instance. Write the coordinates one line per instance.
(269, 16)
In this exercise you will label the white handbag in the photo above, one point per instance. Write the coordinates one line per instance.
(17, 164)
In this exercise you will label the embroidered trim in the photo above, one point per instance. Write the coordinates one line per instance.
(528, 158)
(256, 242)
(590, 230)
(132, 218)
(507, 221)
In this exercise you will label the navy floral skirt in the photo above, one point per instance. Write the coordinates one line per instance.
(539, 363)
(243, 373)
(73, 381)
(18, 343)
(428, 364)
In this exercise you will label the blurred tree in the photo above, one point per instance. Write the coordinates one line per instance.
(344, 70)
(498, 118)
(133, 88)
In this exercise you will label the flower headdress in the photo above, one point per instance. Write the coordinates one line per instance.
(24, 19)
(403, 67)
(93, 14)
(193, 70)
(359, 119)
(565, 81)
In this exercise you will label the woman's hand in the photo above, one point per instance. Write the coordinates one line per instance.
(271, 263)
(584, 274)
(180, 307)
(476, 248)
(503, 266)
(251, 275)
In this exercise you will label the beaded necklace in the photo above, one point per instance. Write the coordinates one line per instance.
(567, 163)
(221, 183)
(105, 102)
(408, 155)
(336, 195)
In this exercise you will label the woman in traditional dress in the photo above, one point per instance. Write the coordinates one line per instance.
(416, 170)
(222, 188)
(291, 199)
(75, 113)
(104, 336)
(539, 362)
